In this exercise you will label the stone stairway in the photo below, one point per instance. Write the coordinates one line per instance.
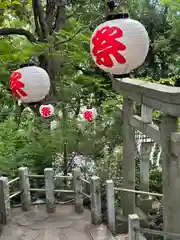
(64, 224)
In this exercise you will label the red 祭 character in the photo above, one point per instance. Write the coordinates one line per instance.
(88, 116)
(46, 112)
(105, 44)
(16, 85)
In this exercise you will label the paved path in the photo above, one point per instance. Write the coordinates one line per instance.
(64, 224)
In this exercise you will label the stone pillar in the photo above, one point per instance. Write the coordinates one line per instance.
(24, 188)
(77, 185)
(146, 114)
(133, 222)
(110, 206)
(144, 166)
(5, 210)
(145, 201)
(171, 173)
(49, 187)
(128, 173)
(95, 193)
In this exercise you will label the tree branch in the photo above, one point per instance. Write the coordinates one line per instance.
(42, 19)
(60, 18)
(81, 29)
(50, 7)
(18, 31)
(39, 14)
(77, 110)
(36, 22)
(20, 110)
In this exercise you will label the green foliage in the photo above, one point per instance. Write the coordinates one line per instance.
(27, 140)
(155, 183)
(7, 3)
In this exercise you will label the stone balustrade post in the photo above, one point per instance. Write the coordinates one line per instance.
(110, 206)
(128, 173)
(49, 188)
(170, 142)
(133, 222)
(24, 188)
(5, 212)
(77, 184)
(95, 193)
(145, 201)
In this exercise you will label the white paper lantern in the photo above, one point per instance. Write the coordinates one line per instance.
(30, 84)
(46, 110)
(119, 46)
(89, 114)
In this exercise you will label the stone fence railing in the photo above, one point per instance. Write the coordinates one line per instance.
(49, 177)
(135, 232)
(25, 193)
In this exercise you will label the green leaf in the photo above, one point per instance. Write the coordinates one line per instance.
(16, 2)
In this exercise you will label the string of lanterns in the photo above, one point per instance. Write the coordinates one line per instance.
(31, 84)
(117, 46)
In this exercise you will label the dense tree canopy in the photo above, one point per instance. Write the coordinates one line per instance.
(55, 36)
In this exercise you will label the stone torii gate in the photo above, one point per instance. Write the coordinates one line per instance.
(166, 99)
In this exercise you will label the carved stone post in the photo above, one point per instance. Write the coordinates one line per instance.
(171, 173)
(49, 187)
(146, 114)
(24, 187)
(133, 222)
(145, 201)
(128, 199)
(5, 212)
(144, 166)
(110, 206)
(95, 193)
(78, 190)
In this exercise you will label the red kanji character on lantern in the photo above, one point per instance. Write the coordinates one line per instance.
(88, 116)
(16, 85)
(46, 112)
(105, 44)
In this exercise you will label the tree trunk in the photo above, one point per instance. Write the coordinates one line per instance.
(46, 23)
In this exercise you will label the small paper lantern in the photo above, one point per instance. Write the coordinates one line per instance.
(30, 84)
(46, 110)
(119, 46)
(90, 114)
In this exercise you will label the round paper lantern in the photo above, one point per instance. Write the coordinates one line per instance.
(30, 84)
(46, 110)
(90, 114)
(119, 46)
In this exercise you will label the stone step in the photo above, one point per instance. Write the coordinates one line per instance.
(100, 232)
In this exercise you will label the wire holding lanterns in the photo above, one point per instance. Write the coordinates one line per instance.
(46, 110)
(30, 84)
(119, 45)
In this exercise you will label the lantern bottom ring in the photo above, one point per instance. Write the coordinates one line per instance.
(121, 75)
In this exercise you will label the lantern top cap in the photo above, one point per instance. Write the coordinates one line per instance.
(117, 16)
(27, 65)
(89, 107)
